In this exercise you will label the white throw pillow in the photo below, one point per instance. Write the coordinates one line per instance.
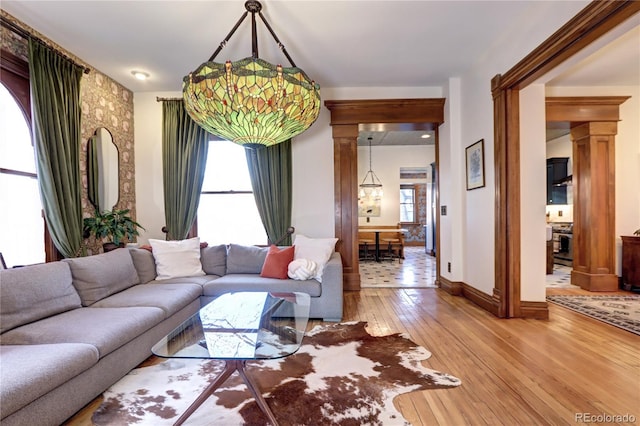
(177, 258)
(318, 250)
(302, 269)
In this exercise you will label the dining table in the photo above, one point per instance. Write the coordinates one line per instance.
(377, 232)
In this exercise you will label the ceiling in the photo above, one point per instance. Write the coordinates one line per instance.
(338, 43)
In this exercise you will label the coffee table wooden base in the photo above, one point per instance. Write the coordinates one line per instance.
(230, 367)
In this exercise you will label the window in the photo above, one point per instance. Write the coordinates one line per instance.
(21, 223)
(407, 203)
(227, 212)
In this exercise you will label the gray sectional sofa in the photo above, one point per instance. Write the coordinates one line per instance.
(70, 329)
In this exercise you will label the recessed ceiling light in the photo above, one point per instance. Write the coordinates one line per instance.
(140, 75)
(426, 136)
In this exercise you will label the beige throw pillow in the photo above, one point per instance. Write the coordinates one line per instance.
(318, 250)
(176, 259)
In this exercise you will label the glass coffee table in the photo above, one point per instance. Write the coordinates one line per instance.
(236, 328)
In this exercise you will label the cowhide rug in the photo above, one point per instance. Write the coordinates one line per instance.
(341, 375)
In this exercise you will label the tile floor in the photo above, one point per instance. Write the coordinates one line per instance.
(561, 277)
(417, 270)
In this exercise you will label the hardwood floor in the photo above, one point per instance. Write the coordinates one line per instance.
(513, 372)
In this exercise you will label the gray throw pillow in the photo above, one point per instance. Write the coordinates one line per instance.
(214, 260)
(34, 292)
(144, 263)
(245, 259)
(99, 276)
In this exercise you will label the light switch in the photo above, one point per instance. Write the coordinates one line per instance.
(443, 210)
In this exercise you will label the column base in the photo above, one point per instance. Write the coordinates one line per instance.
(594, 282)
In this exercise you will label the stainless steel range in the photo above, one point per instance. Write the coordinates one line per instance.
(562, 243)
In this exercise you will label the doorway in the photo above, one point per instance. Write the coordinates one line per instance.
(593, 22)
(347, 116)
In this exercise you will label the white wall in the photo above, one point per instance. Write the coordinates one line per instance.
(452, 185)
(477, 123)
(533, 183)
(147, 114)
(312, 152)
(627, 154)
(467, 232)
(387, 161)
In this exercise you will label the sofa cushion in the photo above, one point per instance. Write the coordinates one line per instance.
(105, 328)
(200, 280)
(96, 277)
(144, 263)
(214, 260)
(177, 258)
(251, 282)
(245, 259)
(30, 371)
(317, 249)
(169, 297)
(34, 292)
(277, 262)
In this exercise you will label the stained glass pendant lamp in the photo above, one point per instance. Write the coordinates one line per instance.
(251, 102)
(371, 185)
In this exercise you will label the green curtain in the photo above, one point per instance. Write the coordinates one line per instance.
(270, 171)
(55, 105)
(184, 159)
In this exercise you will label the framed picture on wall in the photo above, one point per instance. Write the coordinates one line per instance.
(475, 165)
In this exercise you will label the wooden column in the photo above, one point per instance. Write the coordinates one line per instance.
(594, 206)
(345, 174)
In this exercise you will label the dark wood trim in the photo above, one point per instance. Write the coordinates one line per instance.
(346, 118)
(593, 21)
(15, 64)
(534, 310)
(583, 109)
(594, 188)
(507, 210)
(367, 111)
(437, 189)
(485, 301)
(345, 169)
(452, 287)
(15, 77)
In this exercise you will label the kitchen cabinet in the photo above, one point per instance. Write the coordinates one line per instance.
(557, 180)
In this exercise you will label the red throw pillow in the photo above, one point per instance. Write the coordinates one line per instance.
(277, 262)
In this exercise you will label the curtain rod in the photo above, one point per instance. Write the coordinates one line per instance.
(25, 34)
(159, 99)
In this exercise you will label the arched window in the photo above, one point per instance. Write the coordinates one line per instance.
(22, 230)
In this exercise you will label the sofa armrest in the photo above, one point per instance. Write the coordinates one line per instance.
(333, 269)
(330, 301)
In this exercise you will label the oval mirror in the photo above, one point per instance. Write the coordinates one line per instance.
(102, 170)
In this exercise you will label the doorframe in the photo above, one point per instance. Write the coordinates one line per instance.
(346, 118)
(596, 19)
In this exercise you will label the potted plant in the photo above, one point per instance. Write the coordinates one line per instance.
(114, 225)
